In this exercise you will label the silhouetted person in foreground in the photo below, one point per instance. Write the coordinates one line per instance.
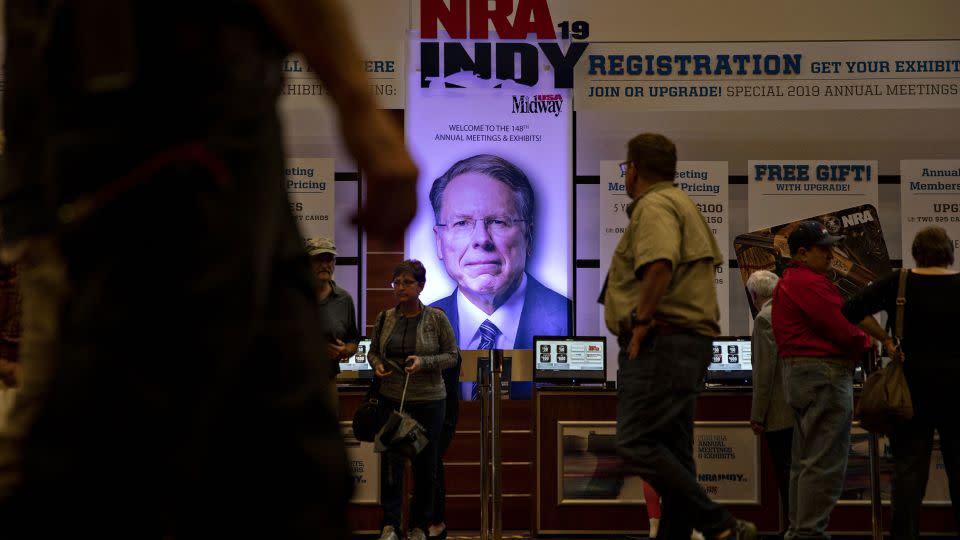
(170, 382)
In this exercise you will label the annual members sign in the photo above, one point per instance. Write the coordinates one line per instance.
(929, 195)
(780, 191)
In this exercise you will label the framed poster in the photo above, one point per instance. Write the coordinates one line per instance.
(589, 471)
(364, 467)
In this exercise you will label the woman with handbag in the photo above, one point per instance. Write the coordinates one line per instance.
(931, 366)
(410, 347)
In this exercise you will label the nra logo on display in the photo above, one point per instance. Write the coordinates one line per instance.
(857, 218)
(505, 58)
(539, 104)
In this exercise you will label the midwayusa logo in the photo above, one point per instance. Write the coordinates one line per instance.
(538, 104)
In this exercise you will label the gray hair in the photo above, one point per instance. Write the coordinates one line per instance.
(498, 169)
(762, 283)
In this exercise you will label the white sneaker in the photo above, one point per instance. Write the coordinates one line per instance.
(389, 533)
(417, 534)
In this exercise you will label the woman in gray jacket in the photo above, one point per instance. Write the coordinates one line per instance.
(417, 340)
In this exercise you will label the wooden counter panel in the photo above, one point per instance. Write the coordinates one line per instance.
(516, 447)
(464, 479)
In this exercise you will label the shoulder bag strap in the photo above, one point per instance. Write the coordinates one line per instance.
(380, 320)
(901, 302)
(375, 385)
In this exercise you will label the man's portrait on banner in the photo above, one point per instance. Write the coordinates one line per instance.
(484, 227)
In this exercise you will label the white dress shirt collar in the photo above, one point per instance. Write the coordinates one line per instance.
(506, 318)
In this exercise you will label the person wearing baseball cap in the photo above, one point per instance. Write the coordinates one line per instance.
(337, 309)
(819, 349)
(812, 233)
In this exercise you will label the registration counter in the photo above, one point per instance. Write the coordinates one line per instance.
(560, 466)
(578, 491)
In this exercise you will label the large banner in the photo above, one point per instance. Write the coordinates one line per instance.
(613, 220)
(310, 186)
(769, 76)
(706, 183)
(380, 28)
(929, 195)
(493, 226)
(780, 191)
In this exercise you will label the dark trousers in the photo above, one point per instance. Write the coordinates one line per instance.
(656, 400)
(912, 444)
(446, 437)
(430, 415)
(780, 444)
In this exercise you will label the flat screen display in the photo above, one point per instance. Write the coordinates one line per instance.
(732, 360)
(570, 359)
(358, 362)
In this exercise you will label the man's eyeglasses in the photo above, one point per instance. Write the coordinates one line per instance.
(623, 167)
(402, 283)
(463, 226)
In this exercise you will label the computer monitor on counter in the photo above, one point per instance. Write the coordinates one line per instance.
(732, 361)
(570, 359)
(357, 366)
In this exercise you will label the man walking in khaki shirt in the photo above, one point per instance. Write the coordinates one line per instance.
(661, 301)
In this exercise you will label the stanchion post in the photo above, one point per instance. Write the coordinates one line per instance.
(876, 509)
(483, 394)
(496, 456)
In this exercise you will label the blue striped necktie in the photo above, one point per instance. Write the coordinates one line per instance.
(488, 335)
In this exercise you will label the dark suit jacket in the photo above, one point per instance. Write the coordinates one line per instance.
(545, 313)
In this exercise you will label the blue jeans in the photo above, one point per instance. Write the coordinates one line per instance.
(820, 391)
(656, 400)
(430, 415)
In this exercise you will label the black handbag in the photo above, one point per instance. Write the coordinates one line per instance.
(376, 421)
(370, 416)
(885, 400)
